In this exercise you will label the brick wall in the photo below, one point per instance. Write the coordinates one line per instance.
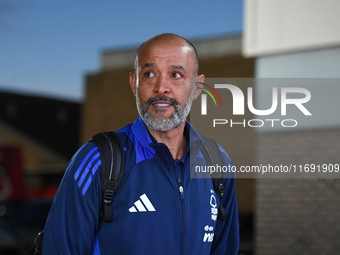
(298, 215)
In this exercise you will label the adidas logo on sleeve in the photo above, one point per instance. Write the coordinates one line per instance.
(142, 205)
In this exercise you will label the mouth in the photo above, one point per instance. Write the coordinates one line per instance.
(162, 104)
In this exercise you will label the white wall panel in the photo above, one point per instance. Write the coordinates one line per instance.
(279, 26)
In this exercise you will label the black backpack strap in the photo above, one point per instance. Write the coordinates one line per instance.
(112, 161)
(38, 243)
(212, 156)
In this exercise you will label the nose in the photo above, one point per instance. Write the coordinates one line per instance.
(162, 85)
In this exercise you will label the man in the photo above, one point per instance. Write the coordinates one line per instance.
(158, 209)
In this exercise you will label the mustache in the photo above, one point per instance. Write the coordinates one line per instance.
(162, 98)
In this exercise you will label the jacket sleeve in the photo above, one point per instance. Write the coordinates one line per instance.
(74, 216)
(226, 239)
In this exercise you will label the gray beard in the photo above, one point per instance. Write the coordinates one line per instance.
(164, 124)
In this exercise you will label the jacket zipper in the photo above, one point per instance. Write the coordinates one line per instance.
(181, 196)
(179, 181)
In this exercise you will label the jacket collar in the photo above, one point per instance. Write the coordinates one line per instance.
(144, 137)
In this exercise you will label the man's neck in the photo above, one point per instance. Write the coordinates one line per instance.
(174, 139)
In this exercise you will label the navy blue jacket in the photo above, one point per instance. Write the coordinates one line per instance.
(158, 209)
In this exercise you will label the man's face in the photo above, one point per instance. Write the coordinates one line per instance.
(164, 86)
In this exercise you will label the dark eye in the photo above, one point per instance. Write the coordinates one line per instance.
(176, 75)
(149, 74)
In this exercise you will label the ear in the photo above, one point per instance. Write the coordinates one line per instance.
(133, 80)
(199, 79)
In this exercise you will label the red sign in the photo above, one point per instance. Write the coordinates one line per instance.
(11, 174)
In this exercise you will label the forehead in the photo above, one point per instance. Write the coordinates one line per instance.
(171, 53)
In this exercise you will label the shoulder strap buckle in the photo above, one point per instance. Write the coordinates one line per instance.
(112, 159)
